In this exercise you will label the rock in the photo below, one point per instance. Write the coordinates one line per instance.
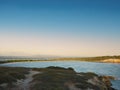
(58, 78)
(106, 81)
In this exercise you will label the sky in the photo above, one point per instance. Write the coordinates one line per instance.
(60, 27)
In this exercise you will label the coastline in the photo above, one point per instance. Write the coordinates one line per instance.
(114, 61)
(98, 59)
(68, 79)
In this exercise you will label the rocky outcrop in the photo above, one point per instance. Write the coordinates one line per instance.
(103, 82)
(56, 78)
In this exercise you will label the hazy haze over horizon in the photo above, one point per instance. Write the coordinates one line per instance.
(60, 27)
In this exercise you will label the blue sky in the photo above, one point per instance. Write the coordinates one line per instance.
(60, 27)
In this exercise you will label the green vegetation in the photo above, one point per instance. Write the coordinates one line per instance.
(90, 59)
(29, 60)
(11, 74)
(54, 78)
(57, 78)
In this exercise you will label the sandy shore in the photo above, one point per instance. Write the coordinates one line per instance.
(111, 61)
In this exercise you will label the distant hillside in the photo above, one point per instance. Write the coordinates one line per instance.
(91, 59)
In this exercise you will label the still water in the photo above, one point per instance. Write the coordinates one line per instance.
(99, 68)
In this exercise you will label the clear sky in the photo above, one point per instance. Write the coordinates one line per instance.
(60, 27)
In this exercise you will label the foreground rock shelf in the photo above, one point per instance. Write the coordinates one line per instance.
(51, 78)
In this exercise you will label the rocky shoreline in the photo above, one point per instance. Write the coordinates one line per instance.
(52, 78)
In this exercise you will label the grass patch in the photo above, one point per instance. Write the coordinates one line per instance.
(11, 74)
(54, 78)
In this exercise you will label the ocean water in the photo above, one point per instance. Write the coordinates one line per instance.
(99, 68)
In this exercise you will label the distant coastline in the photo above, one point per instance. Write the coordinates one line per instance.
(100, 59)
